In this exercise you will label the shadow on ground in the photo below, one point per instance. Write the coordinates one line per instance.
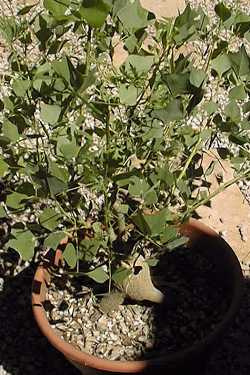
(232, 355)
(24, 350)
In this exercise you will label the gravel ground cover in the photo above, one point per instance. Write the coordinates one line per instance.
(23, 348)
(132, 331)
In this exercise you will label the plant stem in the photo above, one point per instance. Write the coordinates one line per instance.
(88, 51)
(221, 188)
(106, 200)
(189, 160)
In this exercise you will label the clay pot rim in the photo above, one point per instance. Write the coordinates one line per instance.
(192, 229)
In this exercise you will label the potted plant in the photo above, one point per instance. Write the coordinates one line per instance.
(102, 156)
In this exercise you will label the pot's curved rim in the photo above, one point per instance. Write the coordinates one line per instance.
(193, 229)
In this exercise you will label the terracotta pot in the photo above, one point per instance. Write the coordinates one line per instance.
(189, 361)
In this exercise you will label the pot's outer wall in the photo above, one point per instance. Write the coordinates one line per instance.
(191, 361)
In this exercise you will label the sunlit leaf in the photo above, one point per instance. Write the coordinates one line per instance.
(23, 242)
(53, 239)
(16, 200)
(133, 16)
(172, 112)
(20, 87)
(3, 167)
(99, 275)
(221, 64)
(128, 95)
(10, 131)
(70, 256)
(49, 219)
(94, 11)
(50, 113)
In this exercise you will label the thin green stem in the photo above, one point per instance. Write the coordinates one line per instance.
(221, 188)
(88, 50)
(187, 164)
(189, 160)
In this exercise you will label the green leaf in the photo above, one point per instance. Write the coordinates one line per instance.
(128, 95)
(245, 125)
(174, 111)
(56, 186)
(53, 239)
(49, 219)
(240, 63)
(94, 12)
(4, 167)
(210, 168)
(120, 274)
(247, 36)
(169, 234)
(88, 81)
(70, 256)
(20, 87)
(238, 139)
(153, 132)
(2, 212)
(69, 150)
(152, 224)
(165, 175)
(238, 93)
(57, 8)
(98, 274)
(222, 11)
(241, 23)
(141, 64)
(157, 221)
(10, 131)
(140, 188)
(177, 83)
(246, 107)
(58, 171)
(89, 248)
(211, 107)
(177, 243)
(26, 9)
(133, 16)
(62, 68)
(221, 64)
(23, 243)
(232, 111)
(152, 262)
(8, 103)
(15, 200)
(50, 113)
(197, 77)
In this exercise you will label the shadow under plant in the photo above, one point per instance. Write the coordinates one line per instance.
(24, 350)
(232, 355)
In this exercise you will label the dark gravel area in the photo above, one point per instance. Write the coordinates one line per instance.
(25, 351)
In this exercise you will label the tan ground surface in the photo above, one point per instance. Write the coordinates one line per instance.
(229, 213)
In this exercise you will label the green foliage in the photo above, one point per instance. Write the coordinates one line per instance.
(132, 16)
(50, 113)
(69, 255)
(23, 242)
(94, 12)
(98, 275)
(113, 156)
(53, 239)
(49, 219)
